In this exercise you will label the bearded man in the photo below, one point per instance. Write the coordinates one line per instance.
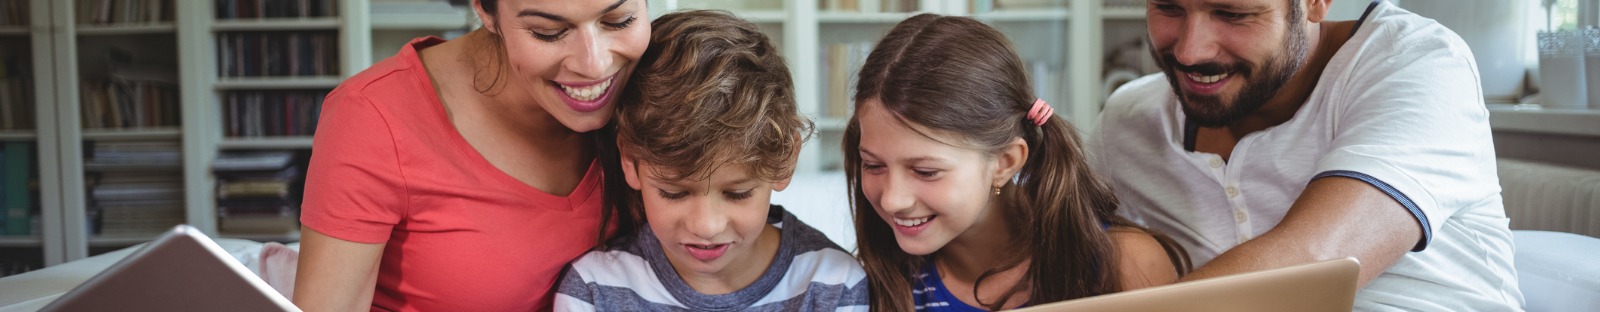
(1274, 137)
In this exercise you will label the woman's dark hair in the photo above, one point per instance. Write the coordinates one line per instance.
(491, 6)
(957, 75)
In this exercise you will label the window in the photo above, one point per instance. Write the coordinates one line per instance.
(1565, 14)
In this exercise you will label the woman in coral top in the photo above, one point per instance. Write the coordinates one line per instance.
(462, 175)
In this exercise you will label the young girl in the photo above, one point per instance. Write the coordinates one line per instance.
(969, 194)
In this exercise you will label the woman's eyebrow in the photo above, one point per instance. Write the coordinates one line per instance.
(559, 18)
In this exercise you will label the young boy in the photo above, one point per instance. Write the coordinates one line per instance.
(709, 130)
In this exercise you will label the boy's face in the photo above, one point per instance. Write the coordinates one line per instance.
(711, 228)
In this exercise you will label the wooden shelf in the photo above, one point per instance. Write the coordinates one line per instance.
(274, 83)
(1020, 15)
(21, 241)
(764, 16)
(92, 167)
(295, 142)
(1123, 13)
(316, 23)
(13, 30)
(863, 18)
(420, 16)
(18, 135)
(132, 134)
(168, 28)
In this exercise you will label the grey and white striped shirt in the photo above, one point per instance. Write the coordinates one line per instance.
(809, 273)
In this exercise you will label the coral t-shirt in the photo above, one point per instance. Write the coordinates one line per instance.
(389, 167)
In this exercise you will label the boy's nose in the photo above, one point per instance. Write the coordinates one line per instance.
(706, 221)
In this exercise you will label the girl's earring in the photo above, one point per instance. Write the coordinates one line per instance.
(997, 191)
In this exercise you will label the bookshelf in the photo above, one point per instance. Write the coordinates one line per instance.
(117, 88)
(26, 52)
(252, 106)
(144, 80)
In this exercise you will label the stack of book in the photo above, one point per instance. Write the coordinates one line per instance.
(103, 12)
(134, 187)
(16, 90)
(241, 9)
(135, 203)
(257, 193)
(271, 113)
(293, 53)
(104, 155)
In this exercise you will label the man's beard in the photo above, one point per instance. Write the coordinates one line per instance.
(1209, 110)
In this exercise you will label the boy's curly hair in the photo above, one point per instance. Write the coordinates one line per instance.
(710, 91)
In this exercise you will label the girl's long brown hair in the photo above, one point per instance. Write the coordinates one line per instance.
(958, 75)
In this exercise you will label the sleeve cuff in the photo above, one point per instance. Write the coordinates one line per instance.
(1427, 229)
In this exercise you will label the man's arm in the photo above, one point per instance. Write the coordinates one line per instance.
(1335, 217)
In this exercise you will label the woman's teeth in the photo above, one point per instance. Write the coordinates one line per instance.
(588, 93)
(1207, 79)
(912, 222)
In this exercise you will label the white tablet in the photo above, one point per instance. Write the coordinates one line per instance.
(182, 270)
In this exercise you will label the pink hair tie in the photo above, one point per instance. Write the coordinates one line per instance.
(1040, 112)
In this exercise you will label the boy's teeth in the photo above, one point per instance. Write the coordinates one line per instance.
(1207, 79)
(912, 222)
(588, 93)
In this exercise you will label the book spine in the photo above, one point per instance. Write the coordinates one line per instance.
(17, 199)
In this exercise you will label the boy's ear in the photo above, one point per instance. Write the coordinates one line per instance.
(1010, 161)
(630, 171)
(794, 161)
(783, 184)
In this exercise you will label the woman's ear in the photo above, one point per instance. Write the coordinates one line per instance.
(1010, 161)
(485, 17)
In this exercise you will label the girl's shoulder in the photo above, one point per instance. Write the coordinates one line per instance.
(1140, 259)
